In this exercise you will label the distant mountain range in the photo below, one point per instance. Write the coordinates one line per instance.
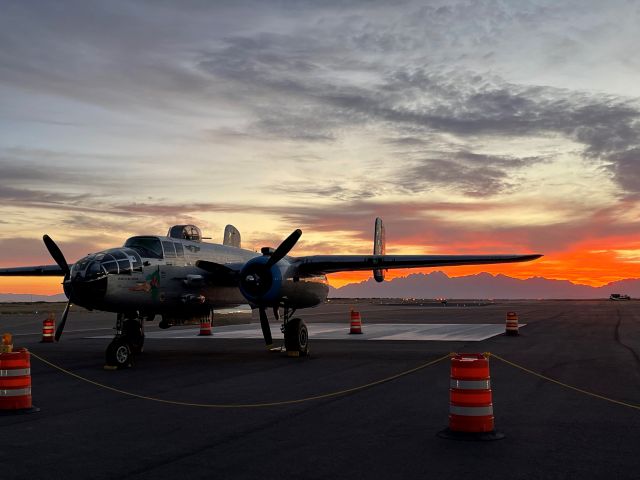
(438, 285)
(483, 285)
(25, 297)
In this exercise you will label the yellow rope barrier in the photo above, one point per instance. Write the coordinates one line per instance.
(331, 394)
(244, 405)
(544, 377)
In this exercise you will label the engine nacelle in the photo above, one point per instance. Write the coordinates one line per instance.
(279, 284)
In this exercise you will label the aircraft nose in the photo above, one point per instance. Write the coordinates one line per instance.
(87, 290)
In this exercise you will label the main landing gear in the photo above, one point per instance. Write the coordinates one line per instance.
(128, 342)
(296, 334)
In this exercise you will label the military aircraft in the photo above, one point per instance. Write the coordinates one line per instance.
(182, 279)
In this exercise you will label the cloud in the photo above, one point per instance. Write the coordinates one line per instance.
(19, 251)
(625, 167)
(472, 174)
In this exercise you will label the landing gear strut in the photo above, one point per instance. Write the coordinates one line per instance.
(128, 341)
(296, 334)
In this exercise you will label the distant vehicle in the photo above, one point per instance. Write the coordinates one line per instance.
(618, 296)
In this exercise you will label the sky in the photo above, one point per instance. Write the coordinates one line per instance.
(469, 127)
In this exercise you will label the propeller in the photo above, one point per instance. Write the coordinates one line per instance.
(284, 248)
(256, 276)
(63, 321)
(57, 255)
(257, 279)
(266, 330)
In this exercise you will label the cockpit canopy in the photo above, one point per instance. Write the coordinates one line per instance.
(112, 261)
(185, 232)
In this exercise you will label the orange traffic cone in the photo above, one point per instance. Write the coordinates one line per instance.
(205, 326)
(15, 379)
(48, 327)
(512, 324)
(470, 400)
(356, 322)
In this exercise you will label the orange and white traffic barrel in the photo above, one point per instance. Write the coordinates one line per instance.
(205, 326)
(512, 324)
(356, 322)
(470, 399)
(48, 329)
(15, 382)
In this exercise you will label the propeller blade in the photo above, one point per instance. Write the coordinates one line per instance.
(284, 248)
(57, 255)
(264, 323)
(62, 322)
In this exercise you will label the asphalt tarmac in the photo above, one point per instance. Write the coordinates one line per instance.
(388, 430)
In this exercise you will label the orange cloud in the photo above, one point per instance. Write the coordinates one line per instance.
(585, 264)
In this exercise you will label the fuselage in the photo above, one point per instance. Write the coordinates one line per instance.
(158, 275)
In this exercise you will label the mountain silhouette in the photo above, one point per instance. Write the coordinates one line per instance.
(483, 285)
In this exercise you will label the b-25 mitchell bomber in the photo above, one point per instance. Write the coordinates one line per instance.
(181, 278)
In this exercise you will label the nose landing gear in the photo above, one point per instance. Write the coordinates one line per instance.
(128, 341)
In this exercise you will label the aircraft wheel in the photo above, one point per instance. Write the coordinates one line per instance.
(119, 353)
(296, 337)
(132, 331)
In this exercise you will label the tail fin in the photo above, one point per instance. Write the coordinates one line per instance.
(378, 247)
(231, 236)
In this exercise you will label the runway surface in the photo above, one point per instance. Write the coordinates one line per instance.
(385, 431)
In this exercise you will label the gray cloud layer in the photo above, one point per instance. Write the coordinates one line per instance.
(421, 80)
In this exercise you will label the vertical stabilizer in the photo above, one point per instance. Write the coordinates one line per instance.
(378, 247)
(231, 236)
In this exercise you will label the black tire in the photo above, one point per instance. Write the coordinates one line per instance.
(296, 337)
(119, 353)
(132, 331)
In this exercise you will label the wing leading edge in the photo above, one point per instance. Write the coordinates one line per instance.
(323, 264)
(38, 271)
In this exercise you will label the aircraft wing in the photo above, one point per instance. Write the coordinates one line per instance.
(322, 264)
(38, 271)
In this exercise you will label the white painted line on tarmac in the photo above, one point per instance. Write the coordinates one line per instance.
(447, 332)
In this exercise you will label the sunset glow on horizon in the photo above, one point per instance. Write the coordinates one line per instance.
(469, 128)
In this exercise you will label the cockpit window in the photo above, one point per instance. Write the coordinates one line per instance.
(147, 247)
(94, 271)
(134, 257)
(109, 263)
(113, 261)
(169, 250)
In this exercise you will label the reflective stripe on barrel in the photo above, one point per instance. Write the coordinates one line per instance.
(471, 407)
(15, 380)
